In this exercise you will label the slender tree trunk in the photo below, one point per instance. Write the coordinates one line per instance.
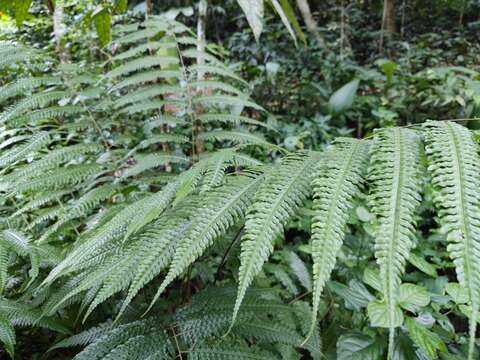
(149, 9)
(310, 23)
(201, 44)
(388, 21)
(59, 29)
(201, 34)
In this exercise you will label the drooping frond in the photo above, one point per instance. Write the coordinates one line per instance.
(395, 195)
(337, 180)
(454, 164)
(284, 190)
(222, 208)
(140, 340)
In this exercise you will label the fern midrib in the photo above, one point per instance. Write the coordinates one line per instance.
(398, 181)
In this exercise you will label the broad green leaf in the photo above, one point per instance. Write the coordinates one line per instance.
(21, 10)
(411, 296)
(423, 265)
(388, 67)
(427, 341)
(358, 346)
(253, 10)
(102, 19)
(458, 294)
(342, 99)
(355, 295)
(372, 277)
(378, 314)
(289, 19)
(120, 6)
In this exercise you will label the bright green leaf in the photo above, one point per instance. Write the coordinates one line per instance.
(342, 99)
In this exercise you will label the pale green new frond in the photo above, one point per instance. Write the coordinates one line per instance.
(395, 182)
(20, 152)
(336, 181)
(20, 86)
(142, 63)
(221, 209)
(284, 190)
(454, 163)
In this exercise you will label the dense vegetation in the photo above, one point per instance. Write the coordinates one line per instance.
(239, 179)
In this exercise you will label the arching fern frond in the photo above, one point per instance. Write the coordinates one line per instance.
(454, 163)
(337, 180)
(284, 190)
(395, 182)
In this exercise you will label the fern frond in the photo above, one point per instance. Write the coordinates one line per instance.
(221, 209)
(237, 136)
(20, 86)
(58, 179)
(395, 195)
(146, 93)
(37, 100)
(336, 181)
(140, 340)
(142, 63)
(454, 163)
(163, 138)
(216, 70)
(145, 77)
(285, 188)
(20, 152)
(227, 100)
(229, 118)
(52, 112)
(84, 338)
(7, 335)
(149, 161)
(139, 49)
(40, 200)
(230, 353)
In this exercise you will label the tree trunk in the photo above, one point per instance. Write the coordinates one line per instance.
(149, 9)
(309, 21)
(201, 44)
(388, 21)
(201, 34)
(59, 29)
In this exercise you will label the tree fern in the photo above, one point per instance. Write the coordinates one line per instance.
(395, 195)
(336, 182)
(454, 166)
